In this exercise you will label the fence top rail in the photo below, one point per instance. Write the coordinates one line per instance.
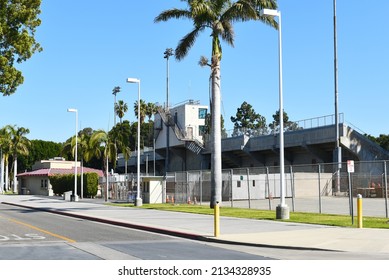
(290, 126)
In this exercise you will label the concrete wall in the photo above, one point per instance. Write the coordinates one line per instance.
(305, 185)
(152, 190)
(61, 164)
(37, 185)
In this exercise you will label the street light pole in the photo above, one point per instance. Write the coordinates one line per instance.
(338, 151)
(75, 196)
(282, 210)
(168, 53)
(138, 201)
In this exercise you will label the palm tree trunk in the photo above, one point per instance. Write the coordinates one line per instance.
(2, 173)
(15, 181)
(216, 163)
(6, 177)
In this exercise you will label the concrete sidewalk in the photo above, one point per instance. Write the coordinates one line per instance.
(200, 227)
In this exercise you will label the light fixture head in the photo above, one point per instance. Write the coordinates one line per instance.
(133, 80)
(269, 12)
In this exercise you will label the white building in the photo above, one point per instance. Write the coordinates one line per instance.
(180, 130)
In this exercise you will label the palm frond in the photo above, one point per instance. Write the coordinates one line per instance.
(187, 42)
(173, 14)
(242, 10)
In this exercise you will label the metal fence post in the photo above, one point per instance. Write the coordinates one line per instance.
(201, 187)
(231, 186)
(268, 187)
(248, 187)
(292, 187)
(386, 189)
(319, 175)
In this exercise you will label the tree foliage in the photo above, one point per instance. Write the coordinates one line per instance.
(39, 150)
(382, 140)
(288, 125)
(248, 121)
(18, 23)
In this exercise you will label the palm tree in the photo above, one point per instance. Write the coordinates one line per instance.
(219, 16)
(85, 151)
(101, 138)
(151, 109)
(120, 109)
(115, 91)
(5, 144)
(143, 110)
(19, 146)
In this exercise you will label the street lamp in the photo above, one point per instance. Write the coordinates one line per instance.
(138, 201)
(282, 210)
(338, 149)
(168, 53)
(75, 197)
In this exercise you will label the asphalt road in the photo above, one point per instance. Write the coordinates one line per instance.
(34, 235)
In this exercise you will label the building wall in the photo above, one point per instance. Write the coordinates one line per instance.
(63, 164)
(187, 118)
(37, 185)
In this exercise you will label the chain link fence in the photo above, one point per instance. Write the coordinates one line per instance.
(322, 188)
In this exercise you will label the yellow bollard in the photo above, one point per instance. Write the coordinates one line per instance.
(359, 210)
(216, 219)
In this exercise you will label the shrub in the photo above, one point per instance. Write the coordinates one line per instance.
(64, 183)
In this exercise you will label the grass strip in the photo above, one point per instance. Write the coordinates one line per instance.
(296, 217)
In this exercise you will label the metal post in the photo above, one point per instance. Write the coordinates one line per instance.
(138, 201)
(167, 53)
(359, 210)
(232, 188)
(350, 195)
(386, 189)
(248, 187)
(75, 196)
(292, 187)
(268, 187)
(216, 219)
(338, 152)
(201, 186)
(282, 210)
(319, 175)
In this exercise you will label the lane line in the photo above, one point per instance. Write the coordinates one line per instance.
(44, 231)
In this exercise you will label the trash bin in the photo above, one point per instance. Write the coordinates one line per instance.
(67, 195)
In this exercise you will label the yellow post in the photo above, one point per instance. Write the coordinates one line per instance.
(217, 220)
(359, 210)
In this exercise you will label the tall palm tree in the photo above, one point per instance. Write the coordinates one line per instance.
(219, 16)
(115, 91)
(120, 109)
(19, 146)
(151, 109)
(5, 145)
(101, 138)
(143, 110)
(85, 152)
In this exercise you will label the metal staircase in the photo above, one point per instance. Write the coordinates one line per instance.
(191, 143)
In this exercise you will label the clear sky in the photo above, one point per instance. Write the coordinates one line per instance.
(91, 46)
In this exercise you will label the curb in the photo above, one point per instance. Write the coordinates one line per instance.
(174, 233)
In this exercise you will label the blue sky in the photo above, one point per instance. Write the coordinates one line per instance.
(91, 46)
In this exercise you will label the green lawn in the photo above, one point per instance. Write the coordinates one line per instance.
(297, 217)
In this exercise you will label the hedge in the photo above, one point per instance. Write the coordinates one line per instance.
(64, 183)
